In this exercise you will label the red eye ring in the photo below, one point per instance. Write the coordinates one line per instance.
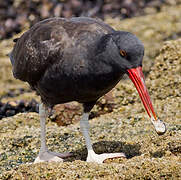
(123, 53)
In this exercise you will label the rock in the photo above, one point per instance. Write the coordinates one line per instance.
(21, 104)
(70, 113)
(13, 103)
(66, 114)
(32, 106)
(10, 113)
(13, 107)
(1, 104)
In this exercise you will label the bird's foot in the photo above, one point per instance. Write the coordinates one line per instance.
(99, 158)
(48, 156)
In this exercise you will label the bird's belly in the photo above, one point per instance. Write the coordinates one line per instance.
(81, 88)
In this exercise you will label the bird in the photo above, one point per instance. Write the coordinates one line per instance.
(78, 59)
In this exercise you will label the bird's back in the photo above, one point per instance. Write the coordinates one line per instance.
(48, 41)
(53, 57)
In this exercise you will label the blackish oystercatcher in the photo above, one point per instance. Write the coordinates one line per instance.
(78, 59)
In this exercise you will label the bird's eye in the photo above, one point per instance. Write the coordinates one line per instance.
(123, 53)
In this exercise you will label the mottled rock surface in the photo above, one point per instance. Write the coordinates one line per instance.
(127, 129)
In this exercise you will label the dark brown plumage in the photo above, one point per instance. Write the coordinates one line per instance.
(54, 52)
(78, 59)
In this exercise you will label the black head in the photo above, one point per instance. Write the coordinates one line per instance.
(130, 48)
(124, 48)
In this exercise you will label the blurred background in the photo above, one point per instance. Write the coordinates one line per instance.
(15, 14)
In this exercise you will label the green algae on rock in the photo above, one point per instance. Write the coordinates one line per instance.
(139, 169)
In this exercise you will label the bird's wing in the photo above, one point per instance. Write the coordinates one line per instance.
(47, 41)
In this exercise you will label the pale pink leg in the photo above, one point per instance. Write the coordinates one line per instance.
(44, 154)
(92, 156)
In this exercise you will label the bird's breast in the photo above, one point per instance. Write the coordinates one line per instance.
(80, 81)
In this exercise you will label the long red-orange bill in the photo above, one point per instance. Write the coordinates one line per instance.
(137, 77)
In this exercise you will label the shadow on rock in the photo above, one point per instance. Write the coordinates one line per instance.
(130, 150)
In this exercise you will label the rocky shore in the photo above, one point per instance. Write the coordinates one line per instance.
(123, 128)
